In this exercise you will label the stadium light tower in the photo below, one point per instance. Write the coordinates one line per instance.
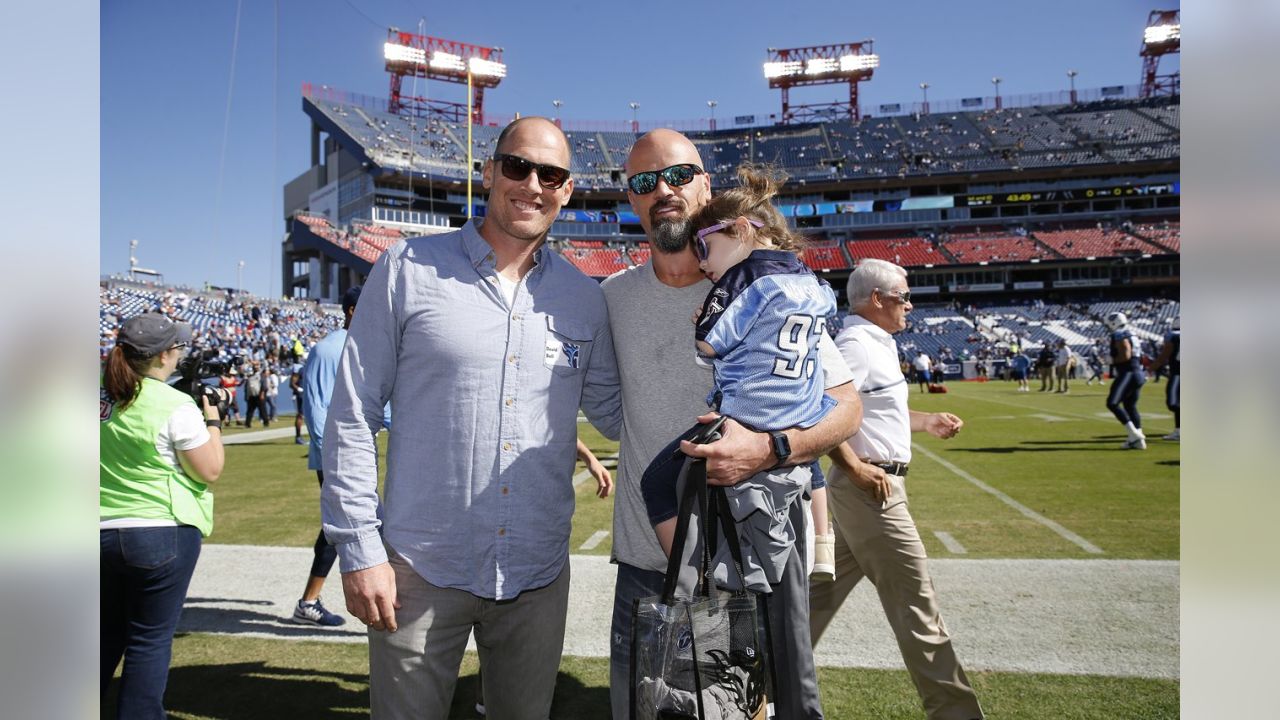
(1071, 75)
(1163, 36)
(239, 276)
(821, 65)
(557, 103)
(413, 55)
(133, 257)
(996, 81)
(712, 104)
(635, 116)
(924, 106)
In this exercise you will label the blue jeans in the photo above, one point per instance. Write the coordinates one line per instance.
(145, 574)
(632, 584)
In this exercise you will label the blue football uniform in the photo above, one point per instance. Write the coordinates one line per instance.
(1122, 400)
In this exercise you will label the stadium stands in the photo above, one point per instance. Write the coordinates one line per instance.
(907, 251)
(994, 247)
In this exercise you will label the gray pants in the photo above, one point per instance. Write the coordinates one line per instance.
(883, 545)
(412, 672)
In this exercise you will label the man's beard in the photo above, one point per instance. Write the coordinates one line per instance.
(670, 236)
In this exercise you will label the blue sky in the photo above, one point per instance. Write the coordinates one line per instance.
(197, 210)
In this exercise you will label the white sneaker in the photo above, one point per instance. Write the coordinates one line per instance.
(1176, 435)
(824, 559)
(1136, 443)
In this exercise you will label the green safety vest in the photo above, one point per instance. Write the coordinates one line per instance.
(135, 480)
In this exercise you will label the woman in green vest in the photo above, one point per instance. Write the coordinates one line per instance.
(159, 453)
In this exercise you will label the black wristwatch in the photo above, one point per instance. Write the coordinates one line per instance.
(781, 447)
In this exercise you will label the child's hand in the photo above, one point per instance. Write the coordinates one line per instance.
(697, 315)
(604, 481)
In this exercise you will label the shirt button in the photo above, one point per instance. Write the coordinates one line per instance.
(511, 359)
(505, 490)
(510, 401)
(502, 531)
(506, 446)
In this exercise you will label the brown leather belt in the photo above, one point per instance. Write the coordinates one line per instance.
(893, 468)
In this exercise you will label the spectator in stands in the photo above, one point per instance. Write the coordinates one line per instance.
(876, 537)
(923, 366)
(662, 387)
(158, 453)
(472, 532)
(1064, 364)
(229, 381)
(255, 394)
(1044, 366)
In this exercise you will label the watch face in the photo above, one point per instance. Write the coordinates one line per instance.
(781, 446)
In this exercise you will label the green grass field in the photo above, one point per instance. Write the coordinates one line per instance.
(1057, 455)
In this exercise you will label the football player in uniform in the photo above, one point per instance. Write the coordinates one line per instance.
(1122, 401)
(1171, 355)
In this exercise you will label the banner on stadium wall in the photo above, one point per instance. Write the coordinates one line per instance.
(975, 287)
(1029, 285)
(744, 119)
(857, 206)
(926, 289)
(891, 108)
(579, 216)
(1112, 91)
(929, 203)
(1084, 282)
(971, 102)
(627, 217)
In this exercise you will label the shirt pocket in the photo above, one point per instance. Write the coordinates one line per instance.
(567, 349)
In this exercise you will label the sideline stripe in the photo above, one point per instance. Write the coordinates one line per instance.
(1065, 533)
(596, 538)
(952, 545)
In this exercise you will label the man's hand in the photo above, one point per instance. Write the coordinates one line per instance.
(371, 596)
(736, 456)
(942, 425)
(872, 480)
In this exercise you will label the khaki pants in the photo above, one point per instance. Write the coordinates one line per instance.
(1046, 378)
(883, 545)
(412, 672)
(1064, 376)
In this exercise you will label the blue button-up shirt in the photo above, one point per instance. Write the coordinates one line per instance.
(478, 493)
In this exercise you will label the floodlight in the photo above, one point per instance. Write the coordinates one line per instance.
(403, 53)
(447, 61)
(853, 63)
(487, 68)
(781, 69)
(818, 66)
(1161, 33)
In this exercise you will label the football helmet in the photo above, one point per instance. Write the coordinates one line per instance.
(1116, 321)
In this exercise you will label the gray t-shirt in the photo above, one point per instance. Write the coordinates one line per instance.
(663, 391)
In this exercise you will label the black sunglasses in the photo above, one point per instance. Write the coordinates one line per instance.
(517, 168)
(643, 183)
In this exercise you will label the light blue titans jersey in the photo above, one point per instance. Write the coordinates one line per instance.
(763, 319)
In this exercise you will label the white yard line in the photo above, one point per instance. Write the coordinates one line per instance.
(1028, 512)
(952, 545)
(596, 538)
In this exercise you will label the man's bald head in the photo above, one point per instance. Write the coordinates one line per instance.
(665, 211)
(664, 143)
(532, 126)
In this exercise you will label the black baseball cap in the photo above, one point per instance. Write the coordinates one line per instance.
(152, 333)
(351, 297)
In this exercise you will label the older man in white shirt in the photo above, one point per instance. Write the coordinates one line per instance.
(876, 537)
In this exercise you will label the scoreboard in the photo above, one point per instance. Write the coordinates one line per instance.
(1098, 192)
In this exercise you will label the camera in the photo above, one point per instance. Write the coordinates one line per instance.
(198, 366)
